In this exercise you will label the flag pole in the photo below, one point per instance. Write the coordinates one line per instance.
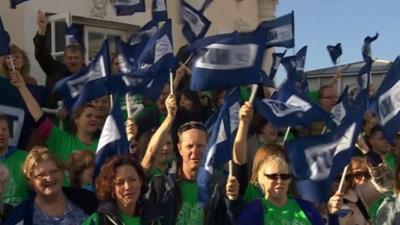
(128, 105)
(186, 62)
(342, 179)
(230, 165)
(286, 134)
(338, 80)
(12, 62)
(254, 88)
(171, 82)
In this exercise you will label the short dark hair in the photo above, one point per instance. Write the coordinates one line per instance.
(75, 48)
(322, 89)
(191, 125)
(5, 119)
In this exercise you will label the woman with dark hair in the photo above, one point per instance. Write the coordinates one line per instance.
(120, 187)
(84, 124)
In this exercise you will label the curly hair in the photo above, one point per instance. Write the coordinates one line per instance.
(37, 155)
(104, 182)
(77, 163)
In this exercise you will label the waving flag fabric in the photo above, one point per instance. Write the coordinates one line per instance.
(335, 52)
(364, 75)
(316, 161)
(289, 108)
(342, 107)
(195, 24)
(294, 66)
(276, 61)
(128, 7)
(14, 3)
(227, 60)
(4, 40)
(144, 34)
(199, 5)
(388, 101)
(73, 35)
(219, 148)
(113, 140)
(366, 49)
(87, 84)
(159, 10)
(280, 31)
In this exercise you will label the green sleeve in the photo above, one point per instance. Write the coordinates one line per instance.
(245, 93)
(56, 139)
(94, 219)
(314, 96)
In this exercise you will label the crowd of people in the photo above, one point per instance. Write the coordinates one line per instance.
(54, 183)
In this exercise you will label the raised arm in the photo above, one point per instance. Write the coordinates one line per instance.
(44, 58)
(160, 136)
(30, 102)
(240, 144)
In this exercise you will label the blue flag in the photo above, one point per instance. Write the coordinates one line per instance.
(364, 75)
(316, 161)
(159, 10)
(14, 3)
(289, 108)
(388, 102)
(335, 52)
(276, 61)
(199, 5)
(87, 84)
(227, 60)
(195, 24)
(366, 48)
(219, 148)
(113, 140)
(342, 107)
(294, 66)
(144, 34)
(280, 31)
(73, 35)
(13, 106)
(128, 7)
(4, 40)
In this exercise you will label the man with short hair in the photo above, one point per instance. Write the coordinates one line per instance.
(74, 59)
(17, 187)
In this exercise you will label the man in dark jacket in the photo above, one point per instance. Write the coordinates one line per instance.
(74, 59)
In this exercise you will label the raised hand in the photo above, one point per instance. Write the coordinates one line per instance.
(232, 188)
(335, 203)
(170, 104)
(41, 22)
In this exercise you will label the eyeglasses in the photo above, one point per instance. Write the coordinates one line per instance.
(191, 125)
(52, 174)
(276, 176)
(339, 177)
(360, 175)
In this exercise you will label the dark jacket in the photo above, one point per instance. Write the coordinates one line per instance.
(164, 191)
(108, 213)
(84, 199)
(54, 70)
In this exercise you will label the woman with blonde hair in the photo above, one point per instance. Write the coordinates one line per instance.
(51, 203)
(5, 208)
(21, 64)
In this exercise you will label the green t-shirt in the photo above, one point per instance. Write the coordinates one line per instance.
(190, 212)
(252, 192)
(63, 143)
(17, 186)
(290, 213)
(94, 219)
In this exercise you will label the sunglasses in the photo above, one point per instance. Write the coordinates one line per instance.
(339, 177)
(276, 176)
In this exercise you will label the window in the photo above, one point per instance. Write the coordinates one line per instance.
(92, 35)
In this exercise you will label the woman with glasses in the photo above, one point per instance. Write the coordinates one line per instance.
(120, 187)
(352, 203)
(50, 203)
(276, 206)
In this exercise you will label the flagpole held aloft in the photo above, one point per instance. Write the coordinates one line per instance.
(171, 82)
(128, 105)
(286, 135)
(254, 88)
(342, 179)
(12, 62)
(338, 84)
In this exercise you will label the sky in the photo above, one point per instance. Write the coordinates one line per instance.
(319, 23)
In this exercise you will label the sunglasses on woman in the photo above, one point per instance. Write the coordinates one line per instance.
(276, 176)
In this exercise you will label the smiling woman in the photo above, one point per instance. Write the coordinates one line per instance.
(51, 202)
(121, 186)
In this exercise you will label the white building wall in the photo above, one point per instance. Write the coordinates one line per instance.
(226, 16)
